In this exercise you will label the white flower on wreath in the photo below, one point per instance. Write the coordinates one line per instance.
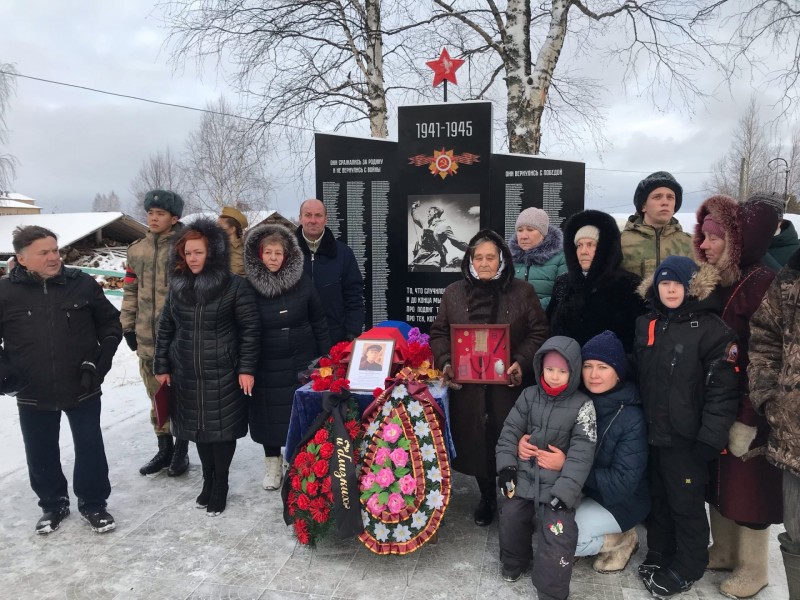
(373, 428)
(399, 392)
(365, 518)
(381, 532)
(428, 452)
(434, 474)
(422, 429)
(419, 519)
(402, 533)
(435, 499)
(414, 408)
(387, 408)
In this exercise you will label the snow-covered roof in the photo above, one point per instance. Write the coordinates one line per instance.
(9, 203)
(16, 196)
(71, 227)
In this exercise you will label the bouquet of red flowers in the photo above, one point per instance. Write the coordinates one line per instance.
(419, 357)
(332, 370)
(310, 496)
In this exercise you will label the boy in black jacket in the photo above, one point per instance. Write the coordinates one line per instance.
(686, 359)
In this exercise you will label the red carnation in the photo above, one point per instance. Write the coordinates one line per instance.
(301, 529)
(340, 372)
(304, 462)
(297, 483)
(326, 450)
(338, 385)
(377, 392)
(320, 468)
(326, 485)
(312, 488)
(325, 362)
(319, 510)
(303, 502)
(321, 436)
(353, 429)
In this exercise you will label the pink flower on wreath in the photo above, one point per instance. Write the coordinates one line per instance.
(399, 457)
(392, 432)
(396, 503)
(374, 506)
(408, 485)
(385, 478)
(382, 455)
(367, 481)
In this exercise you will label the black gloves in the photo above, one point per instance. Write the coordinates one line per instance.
(130, 339)
(507, 481)
(94, 371)
(557, 504)
(704, 453)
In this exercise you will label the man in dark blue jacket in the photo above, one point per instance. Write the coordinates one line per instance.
(59, 336)
(332, 266)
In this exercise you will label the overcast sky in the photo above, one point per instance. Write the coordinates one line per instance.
(72, 144)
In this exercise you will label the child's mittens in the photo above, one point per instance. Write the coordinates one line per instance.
(704, 453)
(507, 481)
(740, 437)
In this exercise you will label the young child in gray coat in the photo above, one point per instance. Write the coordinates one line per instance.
(555, 414)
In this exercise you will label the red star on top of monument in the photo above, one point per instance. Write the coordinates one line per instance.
(444, 68)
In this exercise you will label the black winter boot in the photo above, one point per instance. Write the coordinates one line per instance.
(180, 459)
(484, 512)
(205, 493)
(162, 458)
(219, 497)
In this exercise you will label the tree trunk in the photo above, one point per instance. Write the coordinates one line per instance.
(376, 91)
(527, 88)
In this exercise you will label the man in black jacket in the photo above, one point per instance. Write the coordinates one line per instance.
(59, 336)
(332, 267)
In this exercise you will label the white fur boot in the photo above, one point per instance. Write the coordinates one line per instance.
(722, 553)
(274, 475)
(751, 573)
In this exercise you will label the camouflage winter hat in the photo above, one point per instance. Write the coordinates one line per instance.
(165, 200)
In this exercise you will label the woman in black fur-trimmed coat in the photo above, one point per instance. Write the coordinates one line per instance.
(586, 303)
(207, 351)
(294, 332)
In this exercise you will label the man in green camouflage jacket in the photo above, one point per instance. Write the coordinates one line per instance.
(145, 290)
(653, 233)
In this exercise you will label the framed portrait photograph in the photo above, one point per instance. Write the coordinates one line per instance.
(480, 353)
(370, 363)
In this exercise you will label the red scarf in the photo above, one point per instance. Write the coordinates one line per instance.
(552, 391)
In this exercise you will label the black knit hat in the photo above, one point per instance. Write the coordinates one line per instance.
(607, 348)
(165, 200)
(653, 181)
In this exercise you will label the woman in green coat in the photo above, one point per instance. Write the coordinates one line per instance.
(537, 249)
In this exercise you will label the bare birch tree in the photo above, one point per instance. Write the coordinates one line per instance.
(303, 59)
(106, 202)
(746, 167)
(8, 162)
(658, 42)
(223, 163)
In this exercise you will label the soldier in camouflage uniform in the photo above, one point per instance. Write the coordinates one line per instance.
(653, 233)
(144, 294)
(774, 373)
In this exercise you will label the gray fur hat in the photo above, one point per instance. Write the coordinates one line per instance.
(165, 200)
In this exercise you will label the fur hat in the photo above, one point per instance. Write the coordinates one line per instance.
(653, 181)
(772, 199)
(675, 268)
(534, 217)
(165, 200)
(229, 211)
(607, 348)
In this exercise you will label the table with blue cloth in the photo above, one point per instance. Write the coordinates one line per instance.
(307, 404)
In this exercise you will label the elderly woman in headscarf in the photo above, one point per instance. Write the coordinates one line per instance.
(745, 490)
(595, 294)
(537, 248)
(487, 294)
